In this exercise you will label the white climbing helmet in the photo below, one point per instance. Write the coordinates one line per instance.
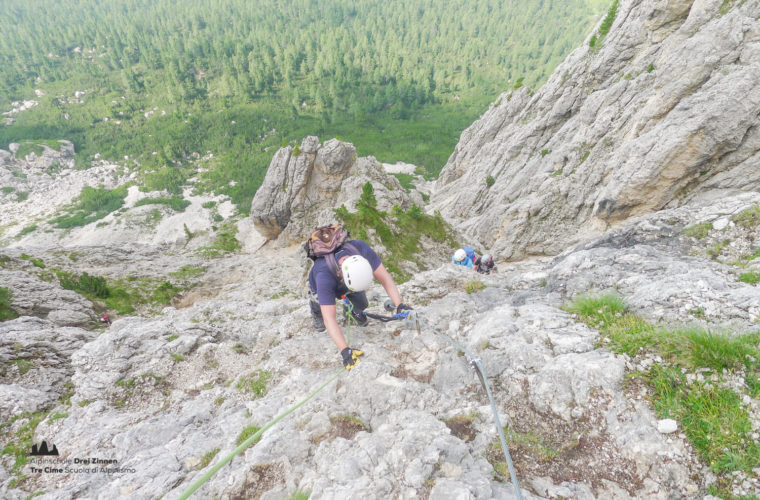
(357, 273)
(487, 259)
(460, 255)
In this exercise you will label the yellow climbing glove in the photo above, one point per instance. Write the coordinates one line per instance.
(350, 357)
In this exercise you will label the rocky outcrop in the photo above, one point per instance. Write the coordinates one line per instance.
(301, 189)
(33, 296)
(663, 111)
(35, 356)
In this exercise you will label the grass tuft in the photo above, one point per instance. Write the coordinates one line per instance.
(698, 231)
(248, 432)
(711, 415)
(255, 383)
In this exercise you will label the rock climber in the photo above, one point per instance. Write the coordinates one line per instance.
(461, 258)
(358, 265)
(484, 264)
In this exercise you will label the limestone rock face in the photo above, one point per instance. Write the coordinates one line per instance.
(35, 297)
(663, 111)
(36, 356)
(301, 190)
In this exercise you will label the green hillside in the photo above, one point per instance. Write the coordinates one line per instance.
(238, 78)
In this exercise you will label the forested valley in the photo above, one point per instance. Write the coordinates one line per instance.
(150, 82)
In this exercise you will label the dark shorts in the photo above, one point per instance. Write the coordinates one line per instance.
(358, 301)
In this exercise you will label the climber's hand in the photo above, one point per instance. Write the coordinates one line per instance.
(350, 357)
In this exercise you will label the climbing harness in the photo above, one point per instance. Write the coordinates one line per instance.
(411, 319)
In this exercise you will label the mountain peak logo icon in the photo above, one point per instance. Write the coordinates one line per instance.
(43, 450)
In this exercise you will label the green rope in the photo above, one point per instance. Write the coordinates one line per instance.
(245, 444)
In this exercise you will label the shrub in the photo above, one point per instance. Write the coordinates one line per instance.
(6, 298)
(170, 179)
(399, 232)
(608, 20)
(86, 284)
(94, 204)
(490, 181)
(605, 26)
(27, 230)
(405, 180)
(650, 68)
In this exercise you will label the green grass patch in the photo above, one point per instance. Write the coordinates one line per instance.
(255, 383)
(23, 365)
(224, 243)
(7, 189)
(93, 204)
(121, 295)
(753, 278)
(300, 495)
(176, 203)
(712, 417)
(126, 383)
(27, 148)
(698, 231)
(6, 311)
(248, 432)
(490, 181)
(716, 249)
(749, 218)
(27, 230)
(474, 286)
(725, 7)
(35, 262)
(177, 357)
(399, 232)
(58, 416)
(405, 180)
(188, 272)
(20, 443)
(208, 457)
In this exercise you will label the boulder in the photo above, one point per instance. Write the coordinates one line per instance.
(303, 187)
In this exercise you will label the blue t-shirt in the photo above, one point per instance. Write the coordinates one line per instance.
(467, 262)
(326, 284)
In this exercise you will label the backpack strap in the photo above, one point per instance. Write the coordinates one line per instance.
(332, 262)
